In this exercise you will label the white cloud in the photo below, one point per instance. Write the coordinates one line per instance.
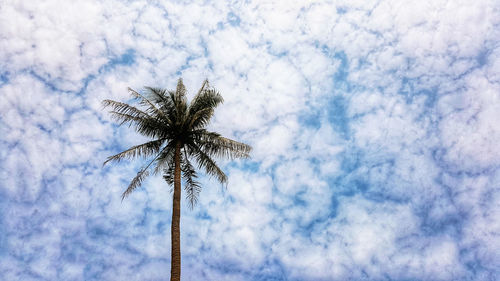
(398, 181)
(470, 130)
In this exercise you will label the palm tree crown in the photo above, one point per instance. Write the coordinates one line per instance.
(168, 119)
(179, 136)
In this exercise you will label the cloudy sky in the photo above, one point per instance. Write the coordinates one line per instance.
(375, 128)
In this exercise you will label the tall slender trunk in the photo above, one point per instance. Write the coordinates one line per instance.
(175, 269)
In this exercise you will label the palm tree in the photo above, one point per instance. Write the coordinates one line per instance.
(179, 138)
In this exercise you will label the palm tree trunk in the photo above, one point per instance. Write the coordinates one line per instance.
(175, 270)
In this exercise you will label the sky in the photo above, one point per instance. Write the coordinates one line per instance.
(374, 127)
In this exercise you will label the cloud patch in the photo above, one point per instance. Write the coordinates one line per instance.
(374, 130)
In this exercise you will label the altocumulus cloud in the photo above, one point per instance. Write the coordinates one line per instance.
(374, 126)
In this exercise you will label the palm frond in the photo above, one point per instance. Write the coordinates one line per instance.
(214, 144)
(124, 108)
(136, 182)
(158, 95)
(180, 102)
(144, 125)
(144, 150)
(169, 175)
(162, 98)
(202, 108)
(181, 89)
(201, 118)
(203, 86)
(165, 159)
(206, 162)
(192, 187)
(169, 172)
(151, 107)
(144, 121)
(139, 178)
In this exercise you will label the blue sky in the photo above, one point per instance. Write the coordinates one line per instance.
(374, 127)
